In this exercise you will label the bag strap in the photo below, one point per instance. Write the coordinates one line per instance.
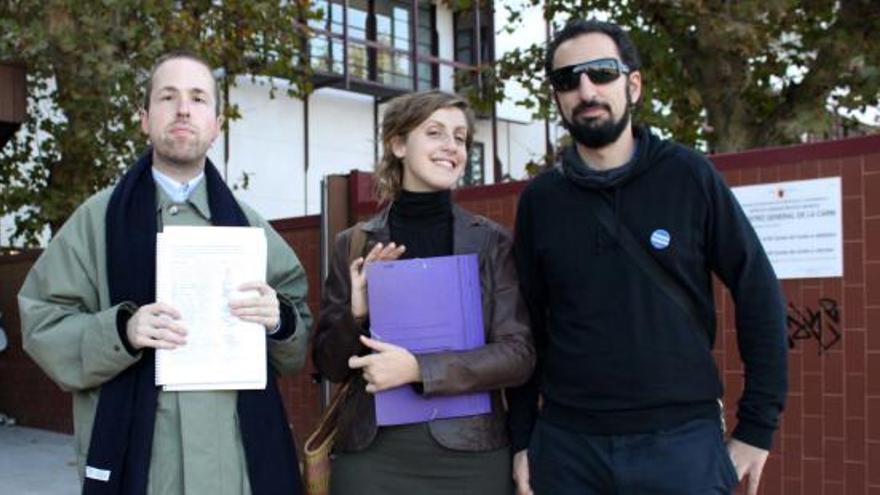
(358, 242)
(327, 423)
(648, 263)
(356, 248)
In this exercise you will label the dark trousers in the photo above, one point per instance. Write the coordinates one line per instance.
(689, 459)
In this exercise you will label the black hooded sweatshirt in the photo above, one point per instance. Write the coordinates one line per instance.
(616, 355)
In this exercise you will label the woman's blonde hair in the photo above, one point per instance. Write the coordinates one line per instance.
(404, 114)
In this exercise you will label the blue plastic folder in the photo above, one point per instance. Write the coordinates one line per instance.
(426, 305)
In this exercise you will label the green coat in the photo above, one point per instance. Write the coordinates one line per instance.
(69, 329)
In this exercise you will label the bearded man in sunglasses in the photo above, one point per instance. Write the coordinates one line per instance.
(616, 247)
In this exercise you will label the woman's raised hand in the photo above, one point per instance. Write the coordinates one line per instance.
(380, 252)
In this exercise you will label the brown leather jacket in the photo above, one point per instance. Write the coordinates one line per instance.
(506, 360)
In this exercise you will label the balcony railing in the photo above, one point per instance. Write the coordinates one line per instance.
(374, 67)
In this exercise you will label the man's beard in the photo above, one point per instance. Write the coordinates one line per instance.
(180, 155)
(597, 133)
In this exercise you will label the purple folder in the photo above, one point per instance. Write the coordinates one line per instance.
(427, 305)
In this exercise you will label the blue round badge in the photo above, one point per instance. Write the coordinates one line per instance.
(660, 239)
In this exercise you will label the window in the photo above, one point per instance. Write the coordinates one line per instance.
(465, 41)
(473, 171)
(387, 22)
(326, 51)
(393, 21)
(427, 72)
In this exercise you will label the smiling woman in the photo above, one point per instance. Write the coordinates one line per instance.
(421, 128)
(426, 137)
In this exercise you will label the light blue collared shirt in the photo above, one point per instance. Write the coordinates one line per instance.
(178, 191)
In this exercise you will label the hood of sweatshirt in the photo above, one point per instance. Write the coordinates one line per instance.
(650, 150)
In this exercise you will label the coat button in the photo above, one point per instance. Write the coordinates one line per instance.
(173, 210)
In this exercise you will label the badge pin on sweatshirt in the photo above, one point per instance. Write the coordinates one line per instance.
(660, 239)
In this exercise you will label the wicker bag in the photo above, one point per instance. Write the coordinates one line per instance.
(318, 446)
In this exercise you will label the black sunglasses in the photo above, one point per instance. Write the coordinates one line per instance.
(600, 71)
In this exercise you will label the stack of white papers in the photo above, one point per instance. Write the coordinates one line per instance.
(198, 271)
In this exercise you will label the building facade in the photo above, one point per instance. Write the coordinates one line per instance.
(363, 53)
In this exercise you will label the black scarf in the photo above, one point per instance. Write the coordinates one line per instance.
(122, 436)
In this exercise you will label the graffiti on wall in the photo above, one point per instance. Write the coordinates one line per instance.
(821, 324)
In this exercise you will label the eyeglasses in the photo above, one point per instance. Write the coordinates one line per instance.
(600, 71)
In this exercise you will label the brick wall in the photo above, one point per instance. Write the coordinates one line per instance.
(829, 442)
(300, 394)
(26, 393)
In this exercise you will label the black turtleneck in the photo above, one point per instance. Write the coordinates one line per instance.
(422, 221)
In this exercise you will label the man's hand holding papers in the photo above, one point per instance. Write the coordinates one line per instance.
(259, 305)
(155, 325)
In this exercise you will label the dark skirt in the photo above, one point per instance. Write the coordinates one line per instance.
(406, 460)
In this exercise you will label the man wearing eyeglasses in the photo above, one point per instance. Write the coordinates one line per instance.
(616, 247)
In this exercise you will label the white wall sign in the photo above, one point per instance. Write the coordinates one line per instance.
(800, 224)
